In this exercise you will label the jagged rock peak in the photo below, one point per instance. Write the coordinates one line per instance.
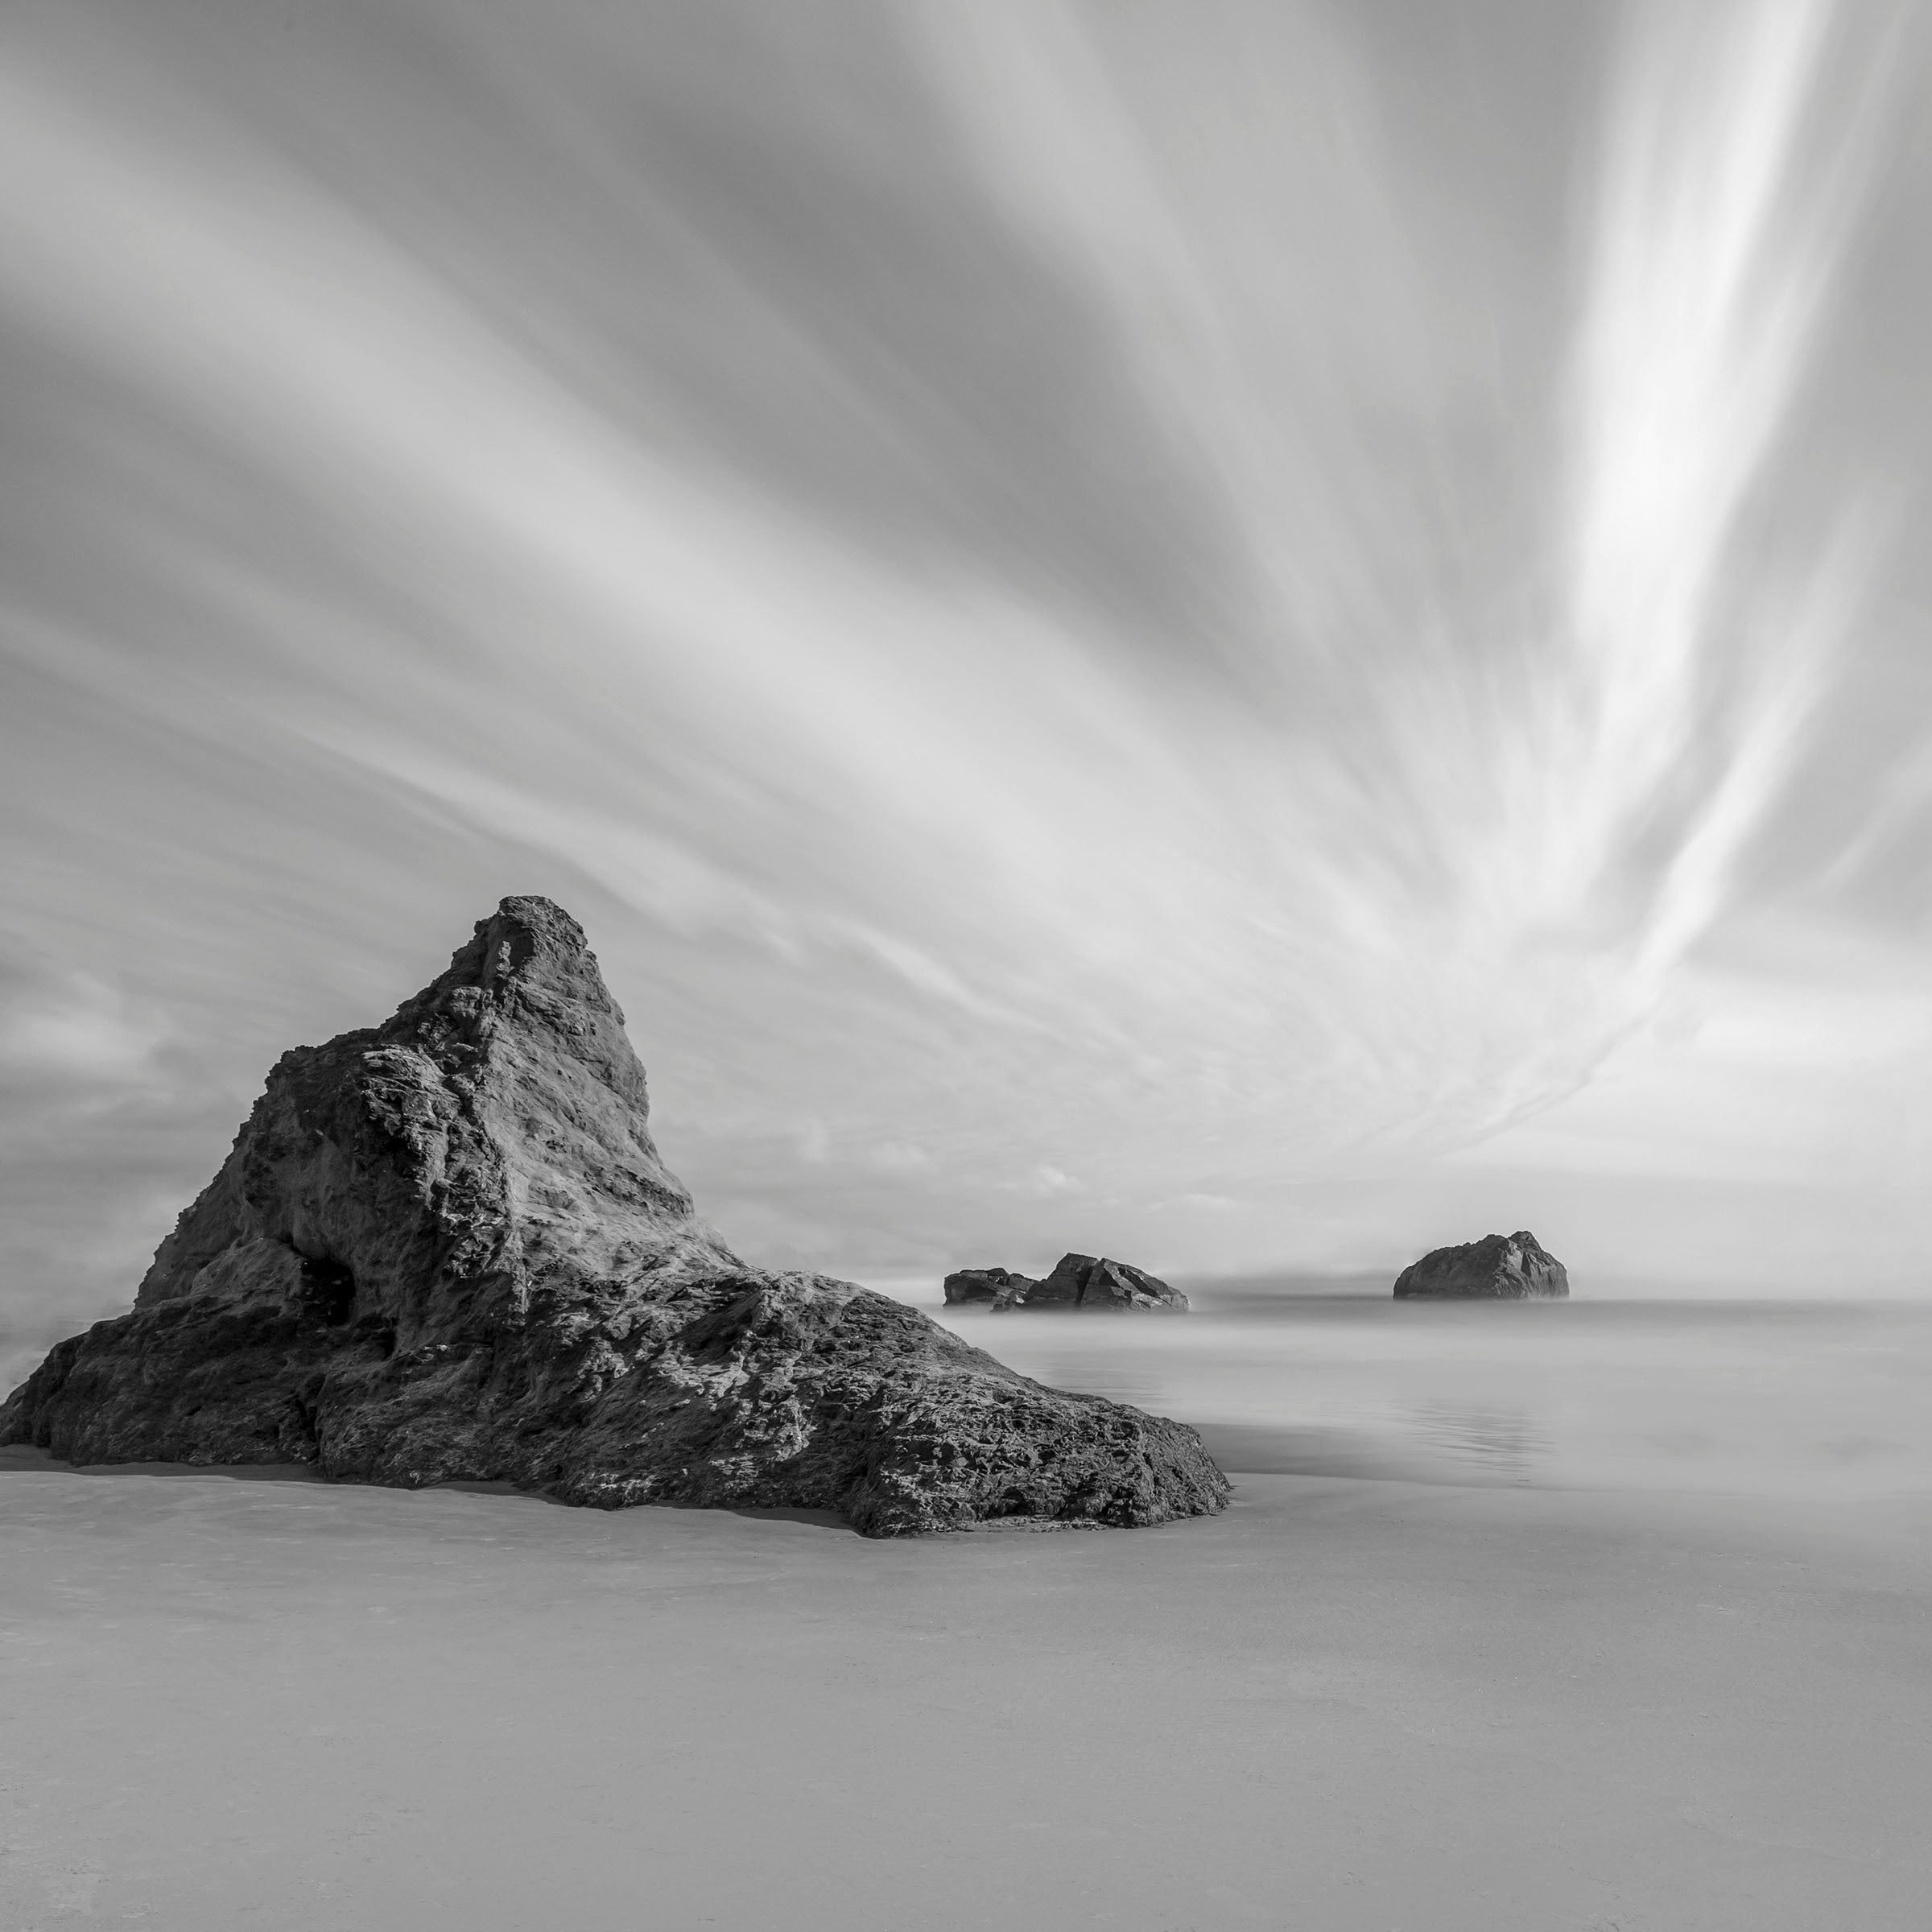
(528, 964)
(526, 939)
(1507, 1268)
(488, 1142)
(445, 1247)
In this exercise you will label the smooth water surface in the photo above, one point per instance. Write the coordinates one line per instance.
(1812, 1399)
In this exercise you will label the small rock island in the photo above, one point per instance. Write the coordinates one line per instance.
(446, 1247)
(1077, 1281)
(1498, 1268)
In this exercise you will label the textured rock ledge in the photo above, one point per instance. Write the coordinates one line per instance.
(1077, 1281)
(446, 1247)
(1498, 1268)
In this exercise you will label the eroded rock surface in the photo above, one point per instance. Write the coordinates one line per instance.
(445, 1248)
(1498, 1268)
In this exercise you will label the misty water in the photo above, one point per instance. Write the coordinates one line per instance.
(1815, 1400)
(1812, 1399)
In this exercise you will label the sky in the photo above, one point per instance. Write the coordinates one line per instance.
(1257, 637)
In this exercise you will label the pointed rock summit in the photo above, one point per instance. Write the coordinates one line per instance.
(445, 1248)
(1498, 1268)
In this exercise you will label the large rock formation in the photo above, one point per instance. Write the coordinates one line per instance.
(445, 1247)
(1078, 1280)
(1498, 1268)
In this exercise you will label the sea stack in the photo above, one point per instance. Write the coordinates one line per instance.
(445, 1247)
(969, 1286)
(1077, 1281)
(1498, 1268)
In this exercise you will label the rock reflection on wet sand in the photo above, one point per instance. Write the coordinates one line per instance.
(1494, 1444)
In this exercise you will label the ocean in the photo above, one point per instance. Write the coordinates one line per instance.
(1816, 1400)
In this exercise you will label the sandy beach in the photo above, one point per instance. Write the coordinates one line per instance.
(239, 1700)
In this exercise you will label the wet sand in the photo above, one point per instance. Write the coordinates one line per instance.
(1346, 1706)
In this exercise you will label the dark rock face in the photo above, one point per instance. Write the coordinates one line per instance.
(971, 1285)
(1498, 1268)
(445, 1248)
(1078, 1280)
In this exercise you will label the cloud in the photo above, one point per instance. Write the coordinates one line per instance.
(73, 1031)
(1096, 617)
(1717, 231)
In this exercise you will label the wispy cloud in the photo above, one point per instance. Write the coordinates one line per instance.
(1218, 665)
(1518, 835)
(1718, 226)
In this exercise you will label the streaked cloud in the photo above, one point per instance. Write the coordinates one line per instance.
(1092, 621)
(71, 1032)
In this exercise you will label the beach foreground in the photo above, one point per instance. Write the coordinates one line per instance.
(241, 1699)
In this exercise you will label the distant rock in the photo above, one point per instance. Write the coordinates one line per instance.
(1077, 1281)
(972, 1285)
(1498, 1268)
(445, 1247)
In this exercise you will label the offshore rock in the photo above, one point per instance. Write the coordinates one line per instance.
(445, 1248)
(1498, 1268)
(1089, 1281)
(968, 1285)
